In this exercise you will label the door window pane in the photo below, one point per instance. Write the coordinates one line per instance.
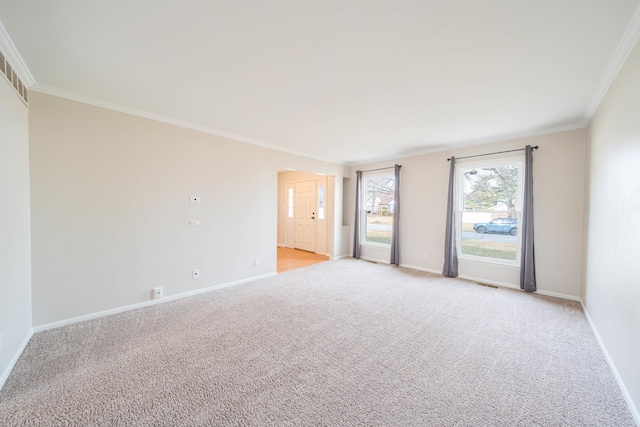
(321, 201)
(290, 203)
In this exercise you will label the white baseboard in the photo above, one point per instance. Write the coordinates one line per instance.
(282, 245)
(415, 267)
(15, 358)
(556, 294)
(612, 366)
(376, 260)
(512, 286)
(117, 310)
(340, 256)
(496, 283)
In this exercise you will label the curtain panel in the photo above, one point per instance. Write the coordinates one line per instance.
(450, 268)
(527, 252)
(395, 232)
(356, 224)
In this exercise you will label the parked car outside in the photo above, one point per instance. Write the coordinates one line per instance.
(498, 225)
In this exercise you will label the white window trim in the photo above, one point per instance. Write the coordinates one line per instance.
(374, 244)
(363, 210)
(459, 185)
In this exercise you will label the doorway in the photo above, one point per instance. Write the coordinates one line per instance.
(305, 217)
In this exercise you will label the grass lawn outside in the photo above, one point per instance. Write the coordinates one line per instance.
(487, 248)
(498, 250)
(386, 220)
(378, 236)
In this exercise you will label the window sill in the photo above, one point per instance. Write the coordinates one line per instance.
(512, 265)
(375, 245)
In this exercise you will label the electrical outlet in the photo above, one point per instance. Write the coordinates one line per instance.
(256, 262)
(424, 255)
(194, 222)
(196, 273)
(156, 293)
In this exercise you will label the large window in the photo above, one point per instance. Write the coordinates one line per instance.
(489, 210)
(377, 209)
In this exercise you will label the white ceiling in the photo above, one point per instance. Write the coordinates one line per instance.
(345, 80)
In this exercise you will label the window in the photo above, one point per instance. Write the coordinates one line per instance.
(290, 202)
(489, 208)
(377, 209)
(321, 201)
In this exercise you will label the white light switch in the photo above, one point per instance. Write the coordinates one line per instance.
(194, 222)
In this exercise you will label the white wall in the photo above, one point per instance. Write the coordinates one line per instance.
(15, 258)
(110, 208)
(340, 239)
(611, 291)
(559, 168)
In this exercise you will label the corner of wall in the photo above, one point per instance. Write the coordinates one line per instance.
(14, 359)
(585, 212)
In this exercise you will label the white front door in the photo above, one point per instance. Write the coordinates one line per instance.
(305, 213)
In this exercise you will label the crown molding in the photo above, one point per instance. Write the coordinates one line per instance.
(626, 45)
(60, 93)
(12, 55)
(47, 90)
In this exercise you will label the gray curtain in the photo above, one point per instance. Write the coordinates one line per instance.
(450, 268)
(356, 224)
(395, 233)
(527, 260)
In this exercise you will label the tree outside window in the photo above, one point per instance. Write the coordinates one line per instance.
(489, 210)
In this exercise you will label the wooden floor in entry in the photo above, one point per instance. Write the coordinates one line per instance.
(290, 259)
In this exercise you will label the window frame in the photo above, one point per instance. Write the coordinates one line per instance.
(363, 208)
(459, 205)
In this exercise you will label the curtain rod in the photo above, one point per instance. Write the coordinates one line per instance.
(489, 154)
(379, 169)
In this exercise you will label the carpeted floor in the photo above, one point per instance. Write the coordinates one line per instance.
(339, 343)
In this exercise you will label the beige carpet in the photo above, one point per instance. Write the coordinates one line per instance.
(340, 343)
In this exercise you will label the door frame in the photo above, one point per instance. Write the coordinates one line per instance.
(322, 230)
